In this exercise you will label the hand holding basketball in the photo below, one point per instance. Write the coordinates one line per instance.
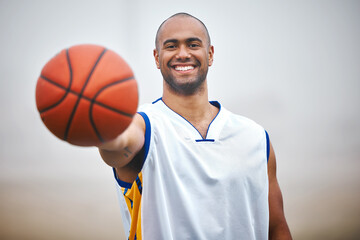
(86, 95)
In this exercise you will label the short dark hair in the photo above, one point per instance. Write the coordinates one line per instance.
(183, 14)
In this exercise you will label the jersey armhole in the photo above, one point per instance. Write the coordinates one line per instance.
(121, 183)
(142, 153)
(147, 135)
(267, 146)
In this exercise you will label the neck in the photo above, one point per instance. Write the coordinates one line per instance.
(195, 108)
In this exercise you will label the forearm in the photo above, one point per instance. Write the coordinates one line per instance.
(280, 232)
(120, 151)
(278, 228)
(114, 145)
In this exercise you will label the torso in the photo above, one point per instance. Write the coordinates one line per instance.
(196, 184)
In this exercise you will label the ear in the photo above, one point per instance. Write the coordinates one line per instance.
(211, 55)
(156, 56)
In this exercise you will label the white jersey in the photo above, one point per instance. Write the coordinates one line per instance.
(202, 188)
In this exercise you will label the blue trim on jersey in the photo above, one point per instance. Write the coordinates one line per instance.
(146, 146)
(205, 140)
(267, 145)
(157, 100)
(131, 203)
(147, 134)
(139, 184)
(121, 183)
(214, 103)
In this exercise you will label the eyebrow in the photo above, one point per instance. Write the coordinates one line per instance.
(192, 39)
(170, 41)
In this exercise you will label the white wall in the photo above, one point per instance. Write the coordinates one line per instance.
(292, 66)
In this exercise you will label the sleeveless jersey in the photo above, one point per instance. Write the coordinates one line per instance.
(192, 187)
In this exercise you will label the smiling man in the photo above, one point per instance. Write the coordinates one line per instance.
(185, 72)
(188, 168)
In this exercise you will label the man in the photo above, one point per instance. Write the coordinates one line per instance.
(187, 167)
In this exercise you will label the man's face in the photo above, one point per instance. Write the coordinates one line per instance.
(183, 54)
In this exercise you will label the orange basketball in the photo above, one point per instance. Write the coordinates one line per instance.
(86, 95)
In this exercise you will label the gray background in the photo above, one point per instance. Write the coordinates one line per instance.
(292, 66)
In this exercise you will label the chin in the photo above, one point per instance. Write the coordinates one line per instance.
(185, 89)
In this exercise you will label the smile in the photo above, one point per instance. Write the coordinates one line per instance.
(184, 68)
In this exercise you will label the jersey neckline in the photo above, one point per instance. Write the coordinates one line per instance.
(211, 132)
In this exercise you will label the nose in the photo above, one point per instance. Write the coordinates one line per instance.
(183, 52)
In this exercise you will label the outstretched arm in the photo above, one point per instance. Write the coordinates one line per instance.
(120, 152)
(278, 228)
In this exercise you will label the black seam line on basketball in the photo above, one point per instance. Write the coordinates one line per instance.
(80, 95)
(58, 102)
(103, 105)
(86, 98)
(112, 109)
(58, 85)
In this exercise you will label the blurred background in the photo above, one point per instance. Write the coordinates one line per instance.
(292, 66)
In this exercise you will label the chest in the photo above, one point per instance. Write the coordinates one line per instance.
(228, 159)
(201, 127)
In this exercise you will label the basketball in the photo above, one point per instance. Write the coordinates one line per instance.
(86, 95)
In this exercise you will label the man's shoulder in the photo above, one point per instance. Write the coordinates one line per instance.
(148, 107)
(239, 120)
(154, 110)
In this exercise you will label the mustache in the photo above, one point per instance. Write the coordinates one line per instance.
(186, 60)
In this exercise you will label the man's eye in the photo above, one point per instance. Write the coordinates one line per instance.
(193, 45)
(170, 46)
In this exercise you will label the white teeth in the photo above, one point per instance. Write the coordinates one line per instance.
(183, 68)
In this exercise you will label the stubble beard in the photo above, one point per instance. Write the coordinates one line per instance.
(187, 88)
